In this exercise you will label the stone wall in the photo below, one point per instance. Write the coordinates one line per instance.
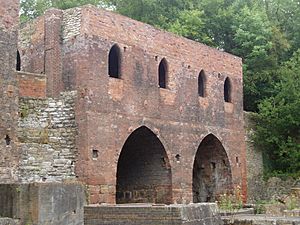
(259, 188)
(192, 214)
(254, 160)
(260, 220)
(46, 133)
(8, 221)
(71, 23)
(43, 203)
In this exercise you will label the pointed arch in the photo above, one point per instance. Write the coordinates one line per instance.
(114, 61)
(163, 73)
(143, 170)
(227, 90)
(211, 171)
(18, 61)
(202, 84)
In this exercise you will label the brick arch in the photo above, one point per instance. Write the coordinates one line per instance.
(143, 170)
(211, 175)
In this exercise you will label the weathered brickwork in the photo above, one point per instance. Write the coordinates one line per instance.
(31, 85)
(109, 110)
(8, 89)
(46, 133)
(31, 46)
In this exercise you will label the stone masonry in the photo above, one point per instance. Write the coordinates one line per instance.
(46, 134)
(193, 214)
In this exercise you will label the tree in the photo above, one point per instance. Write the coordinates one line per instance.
(286, 16)
(190, 24)
(278, 127)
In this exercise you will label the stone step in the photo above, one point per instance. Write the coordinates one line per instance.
(260, 220)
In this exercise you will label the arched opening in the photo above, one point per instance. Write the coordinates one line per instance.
(18, 61)
(227, 90)
(211, 171)
(143, 172)
(163, 73)
(114, 62)
(201, 84)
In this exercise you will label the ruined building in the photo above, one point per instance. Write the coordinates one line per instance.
(136, 114)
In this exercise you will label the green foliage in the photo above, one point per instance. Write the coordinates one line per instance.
(292, 202)
(189, 24)
(278, 130)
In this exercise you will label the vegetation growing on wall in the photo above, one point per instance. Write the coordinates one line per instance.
(266, 34)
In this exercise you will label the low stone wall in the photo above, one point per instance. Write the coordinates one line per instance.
(254, 160)
(9, 221)
(260, 220)
(139, 214)
(258, 188)
(272, 189)
(47, 132)
(43, 203)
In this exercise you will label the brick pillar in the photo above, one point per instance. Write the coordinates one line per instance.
(53, 52)
(9, 18)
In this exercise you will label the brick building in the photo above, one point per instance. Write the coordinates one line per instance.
(135, 113)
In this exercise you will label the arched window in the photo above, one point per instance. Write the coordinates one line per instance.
(18, 63)
(163, 73)
(227, 90)
(114, 62)
(201, 84)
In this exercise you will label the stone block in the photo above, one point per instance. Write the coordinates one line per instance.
(43, 203)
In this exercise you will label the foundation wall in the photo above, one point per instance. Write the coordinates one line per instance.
(195, 214)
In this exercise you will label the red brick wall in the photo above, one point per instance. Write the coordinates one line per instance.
(31, 46)
(9, 11)
(40, 49)
(181, 119)
(31, 85)
(108, 110)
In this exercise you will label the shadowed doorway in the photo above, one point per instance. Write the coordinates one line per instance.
(211, 171)
(143, 172)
